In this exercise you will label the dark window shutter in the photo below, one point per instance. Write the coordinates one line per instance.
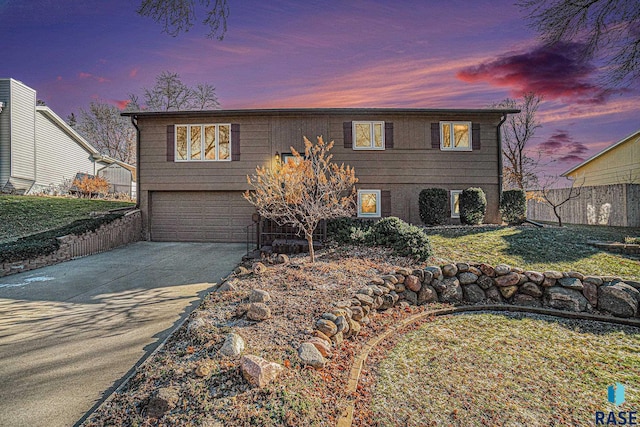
(235, 142)
(435, 135)
(388, 135)
(348, 139)
(385, 203)
(475, 136)
(171, 143)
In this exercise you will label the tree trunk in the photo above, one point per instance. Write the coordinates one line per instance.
(312, 254)
(555, 212)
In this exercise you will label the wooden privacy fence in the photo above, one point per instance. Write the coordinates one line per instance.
(120, 232)
(615, 205)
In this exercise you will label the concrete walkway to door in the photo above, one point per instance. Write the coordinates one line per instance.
(69, 333)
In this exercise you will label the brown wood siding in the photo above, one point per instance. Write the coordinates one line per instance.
(192, 216)
(409, 167)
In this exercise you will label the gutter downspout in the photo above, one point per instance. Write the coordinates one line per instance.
(134, 122)
(500, 177)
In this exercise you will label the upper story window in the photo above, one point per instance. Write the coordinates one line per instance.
(368, 135)
(207, 142)
(455, 136)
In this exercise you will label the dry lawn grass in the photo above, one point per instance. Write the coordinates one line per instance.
(505, 370)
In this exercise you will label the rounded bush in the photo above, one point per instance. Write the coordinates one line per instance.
(513, 206)
(473, 205)
(433, 204)
(404, 239)
(347, 230)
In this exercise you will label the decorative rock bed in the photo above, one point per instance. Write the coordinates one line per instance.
(465, 283)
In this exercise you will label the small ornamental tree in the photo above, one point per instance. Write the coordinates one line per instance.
(89, 186)
(304, 190)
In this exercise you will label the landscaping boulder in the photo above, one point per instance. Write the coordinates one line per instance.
(552, 274)
(508, 291)
(509, 279)
(412, 283)
(463, 267)
(228, 286)
(449, 270)
(427, 294)
(233, 345)
(467, 278)
(258, 295)
(259, 268)
(258, 311)
(619, 299)
(526, 300)
(590, 291)
(411, 297)
(493, 294)
(535, 277)
(165, 400)
(327, 327)
(323, 346)
(310, 355)
(502, 269)
(565, 299)
(473, 293)
(531, 289)
(449, 289)
(258, 371)
(436, 272)
(485, 282)
(487, 270)
(571, 283)
(595, 280)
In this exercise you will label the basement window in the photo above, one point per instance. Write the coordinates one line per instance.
(369, 203)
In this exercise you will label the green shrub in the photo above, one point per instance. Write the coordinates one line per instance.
(433, 204)
(348, 230)
(473, 205)
(404, 239)
(391, 232)
(46, 242)
(513, 206)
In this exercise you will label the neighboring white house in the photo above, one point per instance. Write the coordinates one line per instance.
(39, 150)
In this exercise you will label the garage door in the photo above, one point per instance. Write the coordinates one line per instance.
(199, 216)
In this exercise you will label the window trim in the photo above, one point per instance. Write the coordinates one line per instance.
(453, 148)
(202, 142)
(378, 213)
(452, 202)
(371, 124)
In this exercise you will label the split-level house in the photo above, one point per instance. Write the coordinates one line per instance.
(193, 166)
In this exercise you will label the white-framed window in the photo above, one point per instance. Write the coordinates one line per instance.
(455, 203)
(203, 143)
(455, 136)
(369, 203)
(368, 135)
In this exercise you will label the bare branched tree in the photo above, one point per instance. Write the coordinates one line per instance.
(555, 197)
(111, 134)
(609, 29)
(178, 16)
(304, 190)
(170, 94)
(519, 169)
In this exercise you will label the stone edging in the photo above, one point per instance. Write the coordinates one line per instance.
(346, 418)
(467, 284)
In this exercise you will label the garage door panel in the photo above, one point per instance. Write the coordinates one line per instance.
(199, 216)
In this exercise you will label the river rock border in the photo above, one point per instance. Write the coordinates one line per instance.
(469, 284)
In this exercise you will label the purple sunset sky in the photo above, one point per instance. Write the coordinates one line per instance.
(427, 54)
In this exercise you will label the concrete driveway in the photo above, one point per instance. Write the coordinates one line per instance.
(69, 333)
